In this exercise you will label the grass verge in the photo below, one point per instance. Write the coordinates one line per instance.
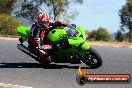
(114, 44)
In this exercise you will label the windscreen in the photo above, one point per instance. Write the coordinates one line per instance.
(71, 31)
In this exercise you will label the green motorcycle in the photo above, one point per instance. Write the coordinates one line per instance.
(69, 46)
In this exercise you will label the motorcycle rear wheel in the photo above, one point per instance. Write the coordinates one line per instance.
(94, 59)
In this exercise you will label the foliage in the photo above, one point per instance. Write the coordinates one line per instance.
(101, 34)
(6, 6)
(8, 25)
(55, 8)
(60, 7)
(126, 18)
(119, 36)
(93, 35)
(27, 9)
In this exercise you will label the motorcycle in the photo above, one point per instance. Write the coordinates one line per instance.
(69, 46)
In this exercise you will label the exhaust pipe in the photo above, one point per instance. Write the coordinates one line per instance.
(27, 51)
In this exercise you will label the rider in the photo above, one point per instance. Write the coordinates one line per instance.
(38, 31)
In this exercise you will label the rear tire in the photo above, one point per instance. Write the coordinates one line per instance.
(94, 59)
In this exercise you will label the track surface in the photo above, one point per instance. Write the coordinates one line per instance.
(18, 68)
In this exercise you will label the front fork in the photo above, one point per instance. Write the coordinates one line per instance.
(21, 40)
(84, 46)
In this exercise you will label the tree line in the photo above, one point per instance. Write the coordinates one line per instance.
(8, 23)
(125, 14)
(58, 9)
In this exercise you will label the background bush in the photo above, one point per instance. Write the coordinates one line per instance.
(101, 34)
(8, 24)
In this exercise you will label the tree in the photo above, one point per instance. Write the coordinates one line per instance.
(28, 10)
(55, 8)
(126, 18)
(58, 7)
(8, 24)
(6, 6)
(101, 34)
(93, 35)
(119, 36)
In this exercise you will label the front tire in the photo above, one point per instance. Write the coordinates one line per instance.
(94, 59)
(21, 40)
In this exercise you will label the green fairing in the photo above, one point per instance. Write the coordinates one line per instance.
(75, 41)
(81, 31)
(23, 31)
(56, 34)
(80, 39)
(85, 45)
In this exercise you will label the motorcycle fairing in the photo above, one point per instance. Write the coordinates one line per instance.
(23, 31)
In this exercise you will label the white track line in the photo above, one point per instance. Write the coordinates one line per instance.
(13, 86)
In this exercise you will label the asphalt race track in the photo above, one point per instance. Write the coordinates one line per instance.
(18, 68)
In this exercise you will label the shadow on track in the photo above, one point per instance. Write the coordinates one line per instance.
(36, 65)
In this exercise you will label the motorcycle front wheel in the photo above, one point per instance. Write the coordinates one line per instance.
(94, 60)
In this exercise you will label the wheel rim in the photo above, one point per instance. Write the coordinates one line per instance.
(92, 61)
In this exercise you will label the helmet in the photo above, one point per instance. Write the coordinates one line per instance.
(43, 17)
